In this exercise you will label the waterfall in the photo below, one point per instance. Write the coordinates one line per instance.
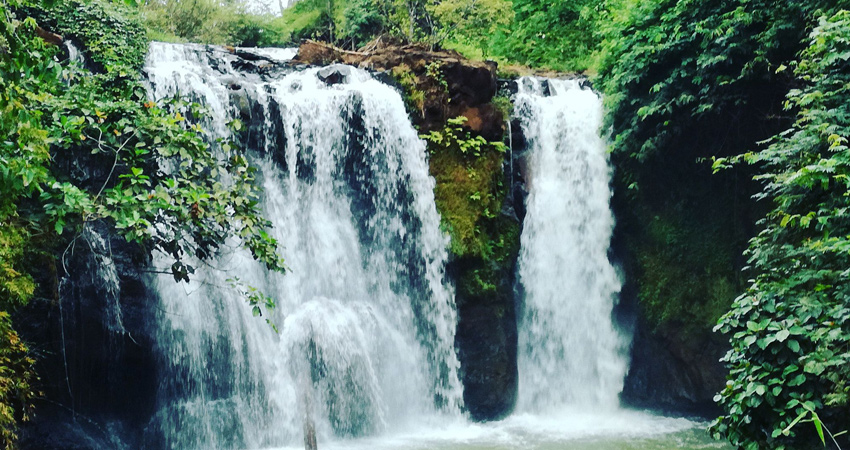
(366, 318)
(74, 54)
(571, 354)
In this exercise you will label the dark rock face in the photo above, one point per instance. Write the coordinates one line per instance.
(487, 344)
(59, 429)
(674, 375)
(96, 365)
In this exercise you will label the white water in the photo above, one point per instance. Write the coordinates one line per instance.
(74, 54)
(273, 53)
(570, 353)
(572, 430)
(366, 318)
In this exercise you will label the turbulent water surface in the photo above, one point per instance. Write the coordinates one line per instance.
(576, 430)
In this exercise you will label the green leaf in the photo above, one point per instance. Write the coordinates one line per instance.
(794, 346)
(798, 380)
(818, 427)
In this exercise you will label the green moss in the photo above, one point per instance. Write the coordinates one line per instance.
(414, 98)
(490, 277)
(504, 105)
(470, 189)
(686, 274)
(469, 194)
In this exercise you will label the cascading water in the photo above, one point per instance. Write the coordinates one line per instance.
(367, 320)
(570, 352)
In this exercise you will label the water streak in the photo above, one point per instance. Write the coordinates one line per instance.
(570, 352)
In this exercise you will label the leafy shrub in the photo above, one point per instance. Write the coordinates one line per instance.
(790, 332)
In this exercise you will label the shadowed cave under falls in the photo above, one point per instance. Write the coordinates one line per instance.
(366, 351)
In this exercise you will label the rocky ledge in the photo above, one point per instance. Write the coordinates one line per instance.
(462, 88)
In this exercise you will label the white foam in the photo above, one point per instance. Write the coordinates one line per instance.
(564, 430)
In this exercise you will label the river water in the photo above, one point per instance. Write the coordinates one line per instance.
(569, 430)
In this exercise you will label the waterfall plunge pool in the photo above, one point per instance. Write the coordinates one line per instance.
(567, 430)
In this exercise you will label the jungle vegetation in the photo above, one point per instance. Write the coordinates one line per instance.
(729, 124)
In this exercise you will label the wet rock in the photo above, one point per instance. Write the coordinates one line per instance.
(673, 373)
(334, 74)
(239, 99)
(486, 339)
(98, 365)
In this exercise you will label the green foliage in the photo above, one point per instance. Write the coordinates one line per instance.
(17, 376)
(111, 35)
(790, 332)
(353, 24)
(684, 273)
(560, 34)
(162, 173)
(672, 65)
(306, 19)
(250, 30)
(202, 21)
(687, 80)
(211, 22)
(16, 366)
(16, 286)
(362, 20)
(470, 22)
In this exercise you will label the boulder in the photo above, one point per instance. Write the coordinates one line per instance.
(334, 74)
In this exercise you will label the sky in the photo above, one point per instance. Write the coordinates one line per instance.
(267, 6)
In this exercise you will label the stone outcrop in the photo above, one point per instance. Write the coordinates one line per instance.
(466, 87)
(674, 373)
